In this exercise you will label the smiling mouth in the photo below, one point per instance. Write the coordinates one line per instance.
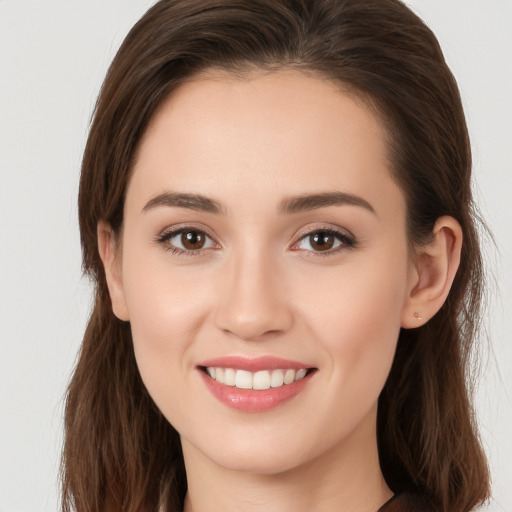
(260, 380)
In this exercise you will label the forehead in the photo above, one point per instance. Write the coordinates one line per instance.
(282, 132)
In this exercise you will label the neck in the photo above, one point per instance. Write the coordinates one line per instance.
(346, 478)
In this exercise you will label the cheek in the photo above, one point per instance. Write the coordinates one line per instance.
(162, 314)
(355, 314)
(166, 313)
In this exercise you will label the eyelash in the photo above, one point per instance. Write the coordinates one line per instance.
(347, 240)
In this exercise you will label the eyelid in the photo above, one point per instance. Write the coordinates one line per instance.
(183, 226)
(324, 227)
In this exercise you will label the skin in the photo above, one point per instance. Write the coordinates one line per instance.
(260, 288)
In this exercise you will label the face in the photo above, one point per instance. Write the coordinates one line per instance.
(264, 246)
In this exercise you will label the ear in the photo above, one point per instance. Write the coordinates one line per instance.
(432, 273)
(108, 250)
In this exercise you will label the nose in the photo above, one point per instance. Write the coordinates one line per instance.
(252, 302)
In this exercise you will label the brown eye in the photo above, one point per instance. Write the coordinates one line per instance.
(192, 240)
(321, 241)
(325, 241)
(186, 240)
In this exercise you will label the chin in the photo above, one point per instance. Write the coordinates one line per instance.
(259, 462)
(255, 452)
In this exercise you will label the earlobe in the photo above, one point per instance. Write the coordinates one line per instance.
(111, 263)
(432, 273)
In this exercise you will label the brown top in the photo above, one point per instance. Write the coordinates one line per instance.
(405, 503)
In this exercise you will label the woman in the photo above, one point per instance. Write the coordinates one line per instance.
(275, 206)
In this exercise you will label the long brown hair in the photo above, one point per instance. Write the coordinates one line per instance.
(120, 453)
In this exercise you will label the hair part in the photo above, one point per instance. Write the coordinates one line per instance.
(120, 452)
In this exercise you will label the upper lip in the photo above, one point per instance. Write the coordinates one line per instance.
(253, 364)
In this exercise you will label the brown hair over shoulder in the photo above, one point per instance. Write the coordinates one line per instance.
(120, 453)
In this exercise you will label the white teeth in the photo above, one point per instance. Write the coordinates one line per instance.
(229, 377)
(300, 374)
(263, 379)
(277, 378)
(243, 379)
(289, 376)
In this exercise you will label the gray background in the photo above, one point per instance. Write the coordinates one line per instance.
(53, 56)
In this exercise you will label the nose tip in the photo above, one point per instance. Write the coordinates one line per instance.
(248, 330)
(253, 304)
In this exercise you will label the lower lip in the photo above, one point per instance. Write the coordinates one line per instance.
(254, 400)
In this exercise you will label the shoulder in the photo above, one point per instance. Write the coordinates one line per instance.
(406, 502)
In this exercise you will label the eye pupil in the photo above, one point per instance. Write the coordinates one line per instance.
(192, 239)
(322, 241)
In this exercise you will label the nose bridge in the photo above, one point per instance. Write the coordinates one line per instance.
(253, 295)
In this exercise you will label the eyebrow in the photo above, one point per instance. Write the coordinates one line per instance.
(322, 200)
(181, 200)
(288, 206)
